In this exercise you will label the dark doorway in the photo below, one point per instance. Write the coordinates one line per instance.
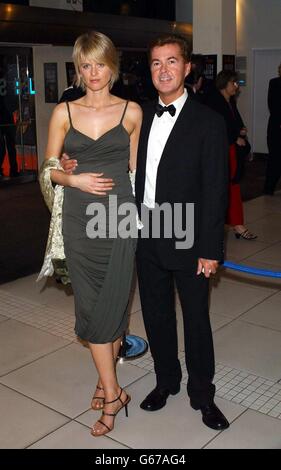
(18, 152)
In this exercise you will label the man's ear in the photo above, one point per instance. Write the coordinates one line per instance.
(187, 68)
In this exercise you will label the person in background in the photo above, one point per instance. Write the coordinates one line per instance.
(223, 101)
(196, 83)
(273, 172)
(194, 80)
(8, 139)
(72, 93)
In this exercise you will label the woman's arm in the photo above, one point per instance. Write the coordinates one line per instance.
(135, 117)
(56, 136)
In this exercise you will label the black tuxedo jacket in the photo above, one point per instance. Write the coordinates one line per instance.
(274, 105)
(193, 169)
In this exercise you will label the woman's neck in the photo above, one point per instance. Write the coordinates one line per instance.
(97, 99)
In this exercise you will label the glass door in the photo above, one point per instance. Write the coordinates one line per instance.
(18, 152)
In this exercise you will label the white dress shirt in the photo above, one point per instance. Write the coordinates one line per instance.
(160, 130)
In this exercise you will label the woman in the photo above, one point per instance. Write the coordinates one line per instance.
(222, 100)
(101, 132)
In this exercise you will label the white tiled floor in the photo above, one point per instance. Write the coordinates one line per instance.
(47, 377)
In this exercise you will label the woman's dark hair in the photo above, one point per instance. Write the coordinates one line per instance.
(224, 77)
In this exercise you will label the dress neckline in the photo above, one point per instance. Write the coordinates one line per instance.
(101, 136)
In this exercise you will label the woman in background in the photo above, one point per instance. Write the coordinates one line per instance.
(223, 101)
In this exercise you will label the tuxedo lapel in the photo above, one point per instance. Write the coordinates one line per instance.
(179, 130)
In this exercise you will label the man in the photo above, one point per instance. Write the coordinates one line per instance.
(71, 93)
(182, 158)
(273, 171)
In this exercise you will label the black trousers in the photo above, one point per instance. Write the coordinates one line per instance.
(156, 284)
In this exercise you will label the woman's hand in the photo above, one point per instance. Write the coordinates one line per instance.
(240, 141)
(92, 183)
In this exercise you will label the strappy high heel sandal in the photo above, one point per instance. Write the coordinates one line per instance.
(107, 429)
(99, 400)
(247, 235)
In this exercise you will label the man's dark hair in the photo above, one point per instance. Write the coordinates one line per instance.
(171, 39)
(224, 77)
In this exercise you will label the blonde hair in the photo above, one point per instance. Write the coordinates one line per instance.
(98, 47)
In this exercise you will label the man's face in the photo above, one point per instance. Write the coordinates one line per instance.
(168, 71)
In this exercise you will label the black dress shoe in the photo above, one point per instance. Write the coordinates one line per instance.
(156, 399)
(213, 417)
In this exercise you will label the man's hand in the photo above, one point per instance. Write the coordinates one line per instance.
(207, 267)
(68, 164)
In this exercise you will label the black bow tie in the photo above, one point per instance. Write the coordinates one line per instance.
(161, 109)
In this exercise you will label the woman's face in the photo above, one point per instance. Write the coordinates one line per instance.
(95, 75)
(231, 87)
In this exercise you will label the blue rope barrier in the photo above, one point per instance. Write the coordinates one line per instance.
(250, 270)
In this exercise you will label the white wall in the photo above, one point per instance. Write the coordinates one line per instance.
(258, 27)
(61, 4)
(184, 11)
(214, 28)
(266, 63)
(42, 54)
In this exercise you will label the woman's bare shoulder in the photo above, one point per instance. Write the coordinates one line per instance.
(60, 111)
(134, 110)
(134, 106)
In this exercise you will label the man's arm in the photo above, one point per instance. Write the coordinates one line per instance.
(214, 190)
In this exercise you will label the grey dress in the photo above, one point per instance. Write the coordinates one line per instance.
(100, 269)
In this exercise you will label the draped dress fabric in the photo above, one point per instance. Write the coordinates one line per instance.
(100, 269)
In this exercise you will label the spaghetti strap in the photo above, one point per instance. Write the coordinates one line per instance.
(126, 105)
(69, 115)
